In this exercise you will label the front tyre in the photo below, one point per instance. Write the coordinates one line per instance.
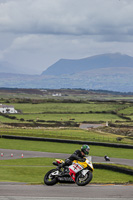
(49, 179)
(82, 180)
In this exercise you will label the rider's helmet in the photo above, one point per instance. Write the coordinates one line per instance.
(85, 149)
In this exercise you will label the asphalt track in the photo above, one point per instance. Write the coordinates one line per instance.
(14, 191)
(21, 191)
(16, 154)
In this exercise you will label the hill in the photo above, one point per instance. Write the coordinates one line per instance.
(67, 66)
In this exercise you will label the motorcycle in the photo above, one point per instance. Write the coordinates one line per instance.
(78, 172)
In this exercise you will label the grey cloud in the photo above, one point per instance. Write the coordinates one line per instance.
(70, 17)
(36, 33)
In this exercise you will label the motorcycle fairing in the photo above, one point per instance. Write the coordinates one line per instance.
(84, 172)
(72, 174)
(74, 169)
(85, 164)
(59, 161)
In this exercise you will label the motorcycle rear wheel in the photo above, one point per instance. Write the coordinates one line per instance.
(83, 180)
(49, 179)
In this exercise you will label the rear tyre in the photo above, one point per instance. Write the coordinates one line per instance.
(50, 179)
(83, 180)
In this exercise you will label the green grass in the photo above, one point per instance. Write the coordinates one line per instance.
(64, 148)
(22, 174)
(131, 116)
(7, 120)
(72, 134)
(66, 107)
(33, 111)
(65, 117)
(106, 176)
(29, 170)
(127, 111)
(32, 170)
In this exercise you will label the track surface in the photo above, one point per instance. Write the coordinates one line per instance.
(65, 191)
(28, 154)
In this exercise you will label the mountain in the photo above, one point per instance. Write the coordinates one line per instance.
(112, 72)
(67, 66)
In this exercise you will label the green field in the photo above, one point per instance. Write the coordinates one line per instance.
(62, 117)
(127, 111)
(51, 116)
(77, 112)
(66, 107)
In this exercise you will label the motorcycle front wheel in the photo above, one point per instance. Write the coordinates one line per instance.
(82, 180)
(49, 179)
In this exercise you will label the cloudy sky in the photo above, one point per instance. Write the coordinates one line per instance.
(34, 34)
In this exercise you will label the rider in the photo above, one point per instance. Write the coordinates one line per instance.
(77, 155)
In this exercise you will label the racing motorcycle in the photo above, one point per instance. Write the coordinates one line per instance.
(79, 172)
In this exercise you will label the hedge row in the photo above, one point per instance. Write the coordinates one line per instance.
(113, 168)
(68, 141)
(50, 124)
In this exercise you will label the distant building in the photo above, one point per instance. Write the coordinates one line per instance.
(56, 95)
(7, 109)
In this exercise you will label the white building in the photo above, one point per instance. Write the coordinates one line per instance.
(56, 95)
(7, 109)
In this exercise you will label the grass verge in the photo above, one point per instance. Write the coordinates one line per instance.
(32, 170)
